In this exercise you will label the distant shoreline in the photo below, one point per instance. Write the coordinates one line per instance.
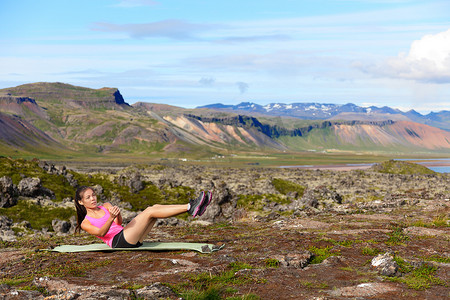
(350, 167)
(342, 167)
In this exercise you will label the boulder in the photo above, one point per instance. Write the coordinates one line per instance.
(5, 222)
(98, 189)
(135, 183)
(295, 260)
(309, 199)
(8, 292)
(22, 228)
(8, 192)
(132, 180)
(61, 289)
(6, 234)
(50, 168)
(320, 196)
(31, 187)
(155, 291)
(61, 226)
(127, 215)
(170, 222)
(386, 265)
(71, 180)
(222, 207)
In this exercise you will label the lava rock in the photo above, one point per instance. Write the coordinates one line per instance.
(386, 265)
(8, 192)
(60, 226)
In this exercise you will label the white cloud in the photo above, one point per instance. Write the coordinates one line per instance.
(428, 60)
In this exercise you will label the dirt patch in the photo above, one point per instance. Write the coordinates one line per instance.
(366, 290)
(7, 255)
(301, 224)
(422, 231)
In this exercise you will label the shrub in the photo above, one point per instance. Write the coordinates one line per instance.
(401, 167)
(284, 187)
(370, 251)
(272, 263)
(397, 236)
(320, 254)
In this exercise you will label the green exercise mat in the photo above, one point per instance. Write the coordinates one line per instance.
(147, 246)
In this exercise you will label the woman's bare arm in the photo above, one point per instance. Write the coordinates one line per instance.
(114, 213)
(94, 230)
(118, 218)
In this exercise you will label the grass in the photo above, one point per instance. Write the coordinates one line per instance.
(417, 278)
(369, 251)
(313, 284)
(397, 237)
(216, 286)
(436, 258)
(271, 263)
(41, 264)
(129, 285)
(73, 267)
(420, 278)
(438, 221)
(344, 243)
(403, 266)
(320, 254)
(15, 281)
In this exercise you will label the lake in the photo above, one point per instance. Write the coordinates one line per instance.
(440, 165)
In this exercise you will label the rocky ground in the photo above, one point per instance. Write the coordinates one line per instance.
(288, 234)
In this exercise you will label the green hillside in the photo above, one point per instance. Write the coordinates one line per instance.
(61, 121)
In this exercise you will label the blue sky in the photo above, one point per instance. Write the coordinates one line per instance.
(193, 53)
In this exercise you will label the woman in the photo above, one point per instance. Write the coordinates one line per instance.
(105, 221)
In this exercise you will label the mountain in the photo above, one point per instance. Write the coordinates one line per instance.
(81, 120)
(69, 95)
(326, 111)
(21, 134)
(57, 119)
(401, 136)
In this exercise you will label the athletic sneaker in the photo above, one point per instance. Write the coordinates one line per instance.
(205, 203)
(196, 204)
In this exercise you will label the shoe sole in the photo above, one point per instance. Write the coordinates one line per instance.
(205, 205)
(197, 209)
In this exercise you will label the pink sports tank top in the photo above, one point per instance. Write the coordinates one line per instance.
(113, 230)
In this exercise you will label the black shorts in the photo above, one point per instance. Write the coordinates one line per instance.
(120, 242)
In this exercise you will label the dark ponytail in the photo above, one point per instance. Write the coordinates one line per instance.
(81, 210)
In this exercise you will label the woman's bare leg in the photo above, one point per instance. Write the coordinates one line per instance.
(143, 223)
(148, 229)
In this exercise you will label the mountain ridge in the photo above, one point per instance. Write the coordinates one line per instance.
(82, 121)
(325, 111)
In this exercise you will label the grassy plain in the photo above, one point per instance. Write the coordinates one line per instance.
(229, 158)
